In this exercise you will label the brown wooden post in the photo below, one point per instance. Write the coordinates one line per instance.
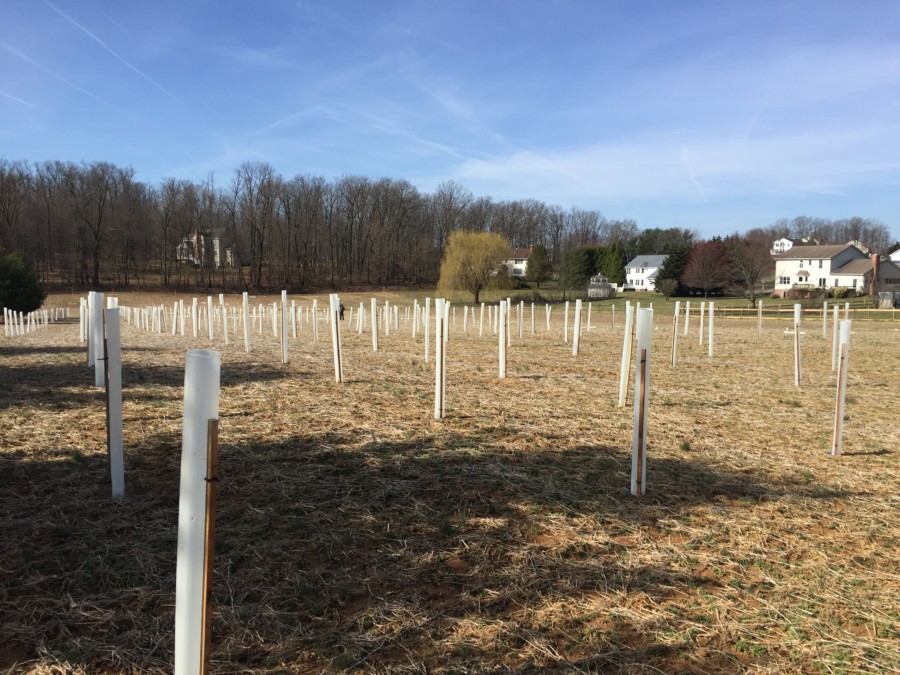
(640, 401)
(212, 478)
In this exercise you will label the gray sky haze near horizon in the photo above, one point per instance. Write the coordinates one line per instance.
(706, 115)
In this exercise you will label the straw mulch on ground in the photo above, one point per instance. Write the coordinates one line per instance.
(356, 532)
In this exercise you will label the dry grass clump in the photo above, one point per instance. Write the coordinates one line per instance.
(355, 532)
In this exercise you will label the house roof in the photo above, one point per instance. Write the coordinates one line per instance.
(826, 252)
(519, 253)
(647, 261)
(856, 268)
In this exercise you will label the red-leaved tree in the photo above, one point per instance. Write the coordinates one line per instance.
(708, 268)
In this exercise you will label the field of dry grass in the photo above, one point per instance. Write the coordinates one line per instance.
(354, 532)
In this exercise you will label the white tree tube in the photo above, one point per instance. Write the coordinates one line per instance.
(284, 327)
(641, 403)
(201, 404)
(797, 313)
(547, 310)
(589, 317)
(374, 322)
(835, 337)
(825, 320)
(532, 318)
(759, 313)
(224, 311)
(481, 321)
(97, 335)
(294, 319)
(209, 316)
(566, 324)
(440, 348)
(502, 337)
(675, 332)
(246, 299)
(837, 442)
(576, 332)
(521, 316)
(846, 311)
(508, 322)
(687, 315)
(447, 320)
(114, 403)
(335, 303)
(315, 320)
(427, 326)
(612, 316)
(195, 318)
(89, 327)
(712, 323)
(415, 323)
(626, 354)
(702, 310)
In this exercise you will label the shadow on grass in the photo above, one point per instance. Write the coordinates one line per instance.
(440, 551)
(67, 384)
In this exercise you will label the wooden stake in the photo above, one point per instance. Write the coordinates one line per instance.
(209, 547)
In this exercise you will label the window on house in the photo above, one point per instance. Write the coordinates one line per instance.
(784, 281)
(822, 283)
(820, 264)
(801, 264)
(853, 285)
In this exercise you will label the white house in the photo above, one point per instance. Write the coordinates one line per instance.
(895, 256)
(517, 262)
(779, 246)
(640, 273)
(805, 268)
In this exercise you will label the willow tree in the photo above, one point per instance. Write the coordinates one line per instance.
(471, 260)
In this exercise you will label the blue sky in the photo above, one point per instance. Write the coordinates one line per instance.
(717, 116)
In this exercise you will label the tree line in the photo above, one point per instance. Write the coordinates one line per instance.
(93, 224)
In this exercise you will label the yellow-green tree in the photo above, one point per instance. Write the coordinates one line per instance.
(470, 260)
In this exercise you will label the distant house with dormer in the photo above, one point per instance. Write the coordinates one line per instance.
(641, 272)
(803, 269)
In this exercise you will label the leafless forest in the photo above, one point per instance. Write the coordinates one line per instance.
(94, 224)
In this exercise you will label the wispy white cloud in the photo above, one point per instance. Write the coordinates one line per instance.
(18, 53)
(119, 58)
(671, 166)
(21, 100)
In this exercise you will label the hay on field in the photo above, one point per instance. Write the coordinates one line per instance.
(355, 532)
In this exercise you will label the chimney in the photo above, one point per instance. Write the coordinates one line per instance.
(873, 289)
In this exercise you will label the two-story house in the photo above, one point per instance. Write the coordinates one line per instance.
(805, 268)
(641, 273)
(517, 262)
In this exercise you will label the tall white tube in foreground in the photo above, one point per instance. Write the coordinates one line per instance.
(641, 403)
(675, 331)
(246, 299)
(837, 441)
(626, 353)
(835, 329)
(797, 313)
(201, 404)
(712, 324)
(576, 332)
(503, 309)
(335, 314)
(114, 403)
(97, 337)
(284, 327)
(440, 350)
(687, 316)
(702, 310)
